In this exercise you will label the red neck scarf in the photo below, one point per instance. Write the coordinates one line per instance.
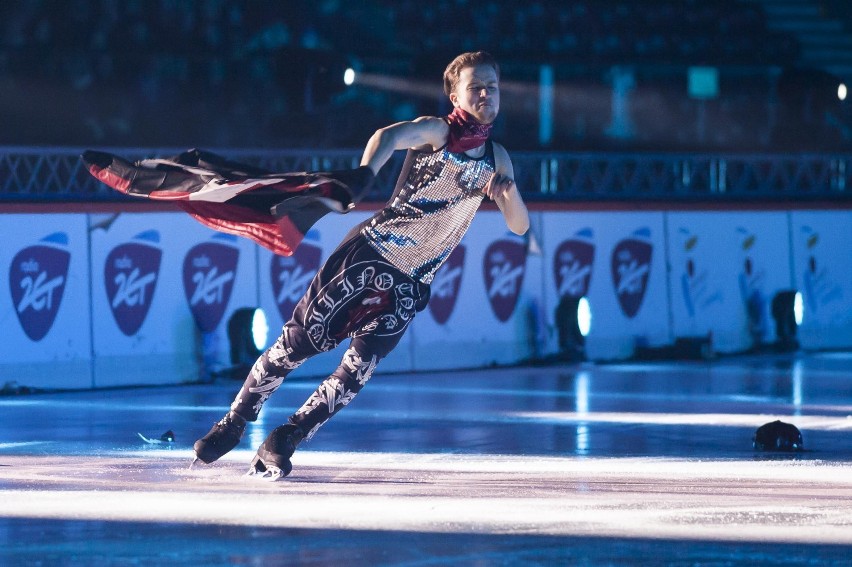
(465, 132)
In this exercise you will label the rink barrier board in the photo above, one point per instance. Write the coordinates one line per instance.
(112, 295)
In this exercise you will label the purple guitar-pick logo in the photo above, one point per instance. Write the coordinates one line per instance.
(631, 266)
(572, 265)
(504, 266)
(37, 278)
(130, 276)
(445, 286)
(209, 271)
(291, 276)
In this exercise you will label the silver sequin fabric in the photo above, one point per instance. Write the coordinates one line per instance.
(434, 203)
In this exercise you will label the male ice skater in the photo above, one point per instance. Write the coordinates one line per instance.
(377, 279)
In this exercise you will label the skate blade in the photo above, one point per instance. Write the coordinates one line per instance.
(269, 474)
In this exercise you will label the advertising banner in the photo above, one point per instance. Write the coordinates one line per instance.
(617, 260)
(822, 268)
(102, 300)
(217, 275)
(142, 330)
(44, 302)
(163, 288)
(725, 269)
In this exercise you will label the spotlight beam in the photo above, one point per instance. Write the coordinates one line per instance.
(414, 87)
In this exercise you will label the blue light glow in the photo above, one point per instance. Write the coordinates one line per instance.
(798, 308)
(259, 329)
(584, 316)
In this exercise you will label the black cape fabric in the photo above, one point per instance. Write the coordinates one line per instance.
(273, 209)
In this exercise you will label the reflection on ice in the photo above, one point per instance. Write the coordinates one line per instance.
(811, 422)
(636, 497)
(620, 463)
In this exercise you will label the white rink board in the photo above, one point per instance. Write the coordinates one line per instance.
(167, 346)
(44, 301)
(721, 261)
(822, 260)
(486, 308)
(626, 280)
(214, 347)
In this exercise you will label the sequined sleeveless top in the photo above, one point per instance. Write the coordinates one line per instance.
(434, 202)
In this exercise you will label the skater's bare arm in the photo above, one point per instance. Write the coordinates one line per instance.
(502, 189)
(427, 131)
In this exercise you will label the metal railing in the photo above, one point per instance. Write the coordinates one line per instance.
(29, 174)
(688, 176)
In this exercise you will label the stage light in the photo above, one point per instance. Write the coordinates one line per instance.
(799, 308)
(787, 310)
(584, 316)
(349, 76)
(247, 333)
(573, 323)
(841, 91)
(259, 329)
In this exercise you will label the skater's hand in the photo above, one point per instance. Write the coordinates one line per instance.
(498, 186)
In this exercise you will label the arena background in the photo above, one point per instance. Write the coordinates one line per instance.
(685, 162)
(687, 167)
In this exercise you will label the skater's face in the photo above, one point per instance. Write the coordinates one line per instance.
(478, 93)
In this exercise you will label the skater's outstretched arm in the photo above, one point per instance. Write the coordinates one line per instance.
(426, 131)
(503, 191)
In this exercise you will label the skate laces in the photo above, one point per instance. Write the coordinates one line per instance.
(230, 425)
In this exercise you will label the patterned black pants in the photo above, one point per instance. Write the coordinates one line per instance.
(356, 294)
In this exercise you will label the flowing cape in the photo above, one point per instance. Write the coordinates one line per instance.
(273, 209)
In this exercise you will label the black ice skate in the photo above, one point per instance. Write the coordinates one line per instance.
(272, 461)
(224, 436)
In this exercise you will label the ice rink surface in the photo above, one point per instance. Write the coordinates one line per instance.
(579, 464)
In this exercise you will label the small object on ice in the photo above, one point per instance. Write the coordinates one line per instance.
(167, 437)
(778, 436)
(12, 388)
